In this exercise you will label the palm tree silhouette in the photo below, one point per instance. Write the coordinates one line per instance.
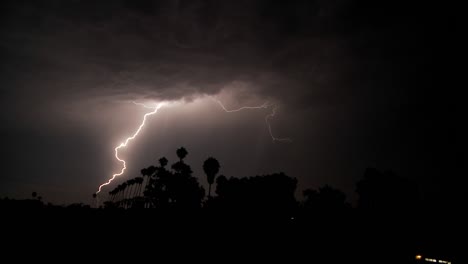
(148, 172)
(163, 161)
(211, 168)
(112, 195)
(137, 184)
(181, 153)
(130, 183)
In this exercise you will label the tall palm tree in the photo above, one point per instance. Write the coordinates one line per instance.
(140, 182)
(121, 193)
(129, 193)
(135, 182)
(111, 195)
(130, 184)
(181, 153)
(117, 192)
(211, 168)
(114, 193)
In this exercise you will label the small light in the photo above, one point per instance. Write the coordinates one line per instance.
(418, 257)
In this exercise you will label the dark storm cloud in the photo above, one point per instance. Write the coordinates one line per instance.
(150, 48)
(348, 73)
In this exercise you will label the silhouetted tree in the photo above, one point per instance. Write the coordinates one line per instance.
(173, 189)
(160, 187)
(184, 189)
(124, 190)
(137, 181)
(148, 172)
(181, 153)
(34, 195)
(163, 161)
(211, 168)
(113, 193)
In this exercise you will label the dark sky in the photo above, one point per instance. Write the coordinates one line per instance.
(358, 84)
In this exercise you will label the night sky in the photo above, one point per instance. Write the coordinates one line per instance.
(357, 84)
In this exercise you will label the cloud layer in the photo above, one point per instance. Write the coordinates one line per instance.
(344, 72)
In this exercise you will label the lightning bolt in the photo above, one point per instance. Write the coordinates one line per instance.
(267, 118)
(125, 143)
(156, 109)
(265, 105)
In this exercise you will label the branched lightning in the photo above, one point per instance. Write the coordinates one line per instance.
(125, 143)
(265, 105)
(267, 118)
(158, 106)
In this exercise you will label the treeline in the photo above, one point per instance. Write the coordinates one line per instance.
(174, 187)
(167, 200)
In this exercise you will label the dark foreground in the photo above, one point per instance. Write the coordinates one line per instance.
(325, 237)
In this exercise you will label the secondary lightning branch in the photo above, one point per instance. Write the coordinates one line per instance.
(267, 118)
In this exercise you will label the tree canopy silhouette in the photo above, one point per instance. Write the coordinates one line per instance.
(176, 189)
